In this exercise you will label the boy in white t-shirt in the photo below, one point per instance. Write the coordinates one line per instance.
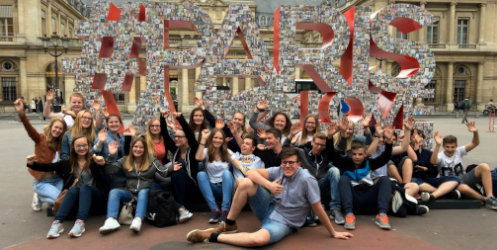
(450, 164)
(247, 157)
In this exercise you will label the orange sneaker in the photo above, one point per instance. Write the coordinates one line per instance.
(349, 222)
(382, 221)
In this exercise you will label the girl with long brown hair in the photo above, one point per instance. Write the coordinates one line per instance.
(83, 125)
(87, 185)
(139, 169)
(217, 179)
(47, 185)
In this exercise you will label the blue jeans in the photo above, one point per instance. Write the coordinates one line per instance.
(328, 185)
(374, 199)
(48, 189)
(117, 195)
(262, 207)
(220, 190)
(86, 196)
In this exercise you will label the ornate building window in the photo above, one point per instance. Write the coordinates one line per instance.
(462, 31)
(6, 23)
(9, 88)
(432, 31)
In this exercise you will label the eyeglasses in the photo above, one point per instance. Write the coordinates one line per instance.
(86, 118)
(291, 163)
(81, 146)
(179, 136)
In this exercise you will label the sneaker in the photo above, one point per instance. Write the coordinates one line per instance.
(78, 229)
(349, 222)
(396, 201)
(215, 214)
(136, 225)
(426, 197)
(55, 230)
(36, 204)
(410, 198)
(336, 214)
(454, 194)
(223, 227)
(422, 209)
(224, 215)
(109, 226)
(309, 221)
(184, 215)
(491, 203)
(382, 221)
(197, 235)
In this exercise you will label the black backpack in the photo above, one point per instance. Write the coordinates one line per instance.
(161, 210)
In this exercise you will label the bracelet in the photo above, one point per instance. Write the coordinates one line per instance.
(203, 144)
(376, 136)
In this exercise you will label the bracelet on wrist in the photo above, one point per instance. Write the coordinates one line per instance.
(203, 144)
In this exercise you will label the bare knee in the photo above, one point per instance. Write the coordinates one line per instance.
(483, 167)
(259, 238)
(412, 187)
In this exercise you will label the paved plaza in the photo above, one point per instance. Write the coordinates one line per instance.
(21, 228)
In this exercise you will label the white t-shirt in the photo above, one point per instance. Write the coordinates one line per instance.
(215, 169)
(68, 119)
(250, 161)
(452, 166)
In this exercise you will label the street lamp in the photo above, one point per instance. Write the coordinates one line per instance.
(56, 46)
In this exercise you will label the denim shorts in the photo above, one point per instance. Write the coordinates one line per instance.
(262, 207)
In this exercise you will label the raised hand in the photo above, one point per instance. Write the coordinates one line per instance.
(102, 135)
(275, 187)
(205, 134)
(388, 134)
(409, 123)
(105, 112)
(30, 159)
(113, 147)
(228, 139)
(99, 160)
(261, 133)
(472, 126)
(295, 129)
(198, 102)
(343, 125)
(332, 129)
(176, 114)
(438, 138)
(96, 106)
(19, 106)
(219, 123)
(130, 131)
(69, 112)
(378, 129)
(50, 95)
(177, 166)
(367, 119)
(166, 114)
(262, 105)
(234, 128)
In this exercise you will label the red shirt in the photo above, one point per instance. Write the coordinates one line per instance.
(160, 150)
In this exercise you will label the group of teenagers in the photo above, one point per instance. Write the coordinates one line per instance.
(282, 171)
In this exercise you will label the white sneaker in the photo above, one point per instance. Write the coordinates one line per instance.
(136, 225)
(36, 204)
(184, 215)
(109, 226)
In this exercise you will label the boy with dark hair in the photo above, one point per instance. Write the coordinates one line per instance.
(450, 164)
(327, 175)
(358, 192)
(270, 155)
(280, 197)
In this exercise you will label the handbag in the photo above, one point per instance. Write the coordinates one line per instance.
(126, 214)
(61, 196)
